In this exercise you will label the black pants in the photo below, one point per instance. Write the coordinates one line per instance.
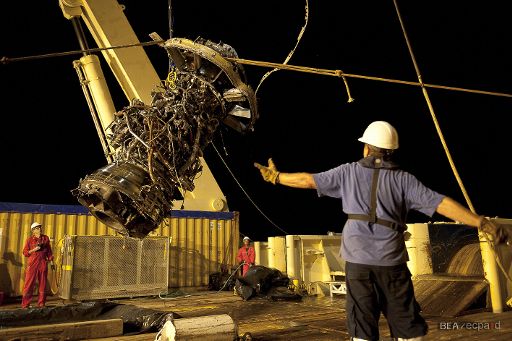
(374, 289)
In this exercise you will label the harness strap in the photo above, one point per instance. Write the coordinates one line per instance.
(373, 200)
(372, 217)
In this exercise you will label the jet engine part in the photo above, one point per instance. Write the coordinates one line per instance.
(158, 145)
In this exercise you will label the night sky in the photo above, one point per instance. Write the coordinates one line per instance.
(49, 141)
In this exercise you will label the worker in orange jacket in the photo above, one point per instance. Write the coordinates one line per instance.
(246, 255)
(39, 252)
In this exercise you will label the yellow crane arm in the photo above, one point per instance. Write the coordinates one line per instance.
(137, 77)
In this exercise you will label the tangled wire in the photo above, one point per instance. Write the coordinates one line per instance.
(167, 137)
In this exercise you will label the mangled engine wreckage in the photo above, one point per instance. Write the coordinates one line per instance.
(157, 146)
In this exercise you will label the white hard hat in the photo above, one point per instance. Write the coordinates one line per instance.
(34, 225)
(380, 134)
(246, 238)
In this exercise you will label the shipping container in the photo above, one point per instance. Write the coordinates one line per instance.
(201, 242)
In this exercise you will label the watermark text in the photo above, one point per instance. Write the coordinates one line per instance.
(465, 325)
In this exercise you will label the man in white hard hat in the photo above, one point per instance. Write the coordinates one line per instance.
(246, 255)
(376, 196)
(39, 252)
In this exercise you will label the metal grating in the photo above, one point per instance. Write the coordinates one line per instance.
(201, 242)
(97, 267)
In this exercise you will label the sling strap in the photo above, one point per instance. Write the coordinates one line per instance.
(372, 217)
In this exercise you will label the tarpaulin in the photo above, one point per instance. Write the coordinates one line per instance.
(135, 320)
(265, 282)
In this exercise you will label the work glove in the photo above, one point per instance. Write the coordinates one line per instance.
(269, 173)
(498, 233)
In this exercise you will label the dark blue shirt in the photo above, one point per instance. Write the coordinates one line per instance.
(398, 192)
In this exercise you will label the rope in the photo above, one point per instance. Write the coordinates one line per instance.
(246, 194)
(325, 72)
(57, 273)
(234, 272)
(227, 280)
(172, 76)
(291, 52)
(432, 113)
(340, 73)
(438, 128)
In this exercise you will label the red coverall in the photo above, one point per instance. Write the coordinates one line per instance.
(37, 269)
(248, 256)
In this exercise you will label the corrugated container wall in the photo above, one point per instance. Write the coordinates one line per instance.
(201, 242)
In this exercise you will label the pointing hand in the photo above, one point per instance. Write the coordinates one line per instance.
(269, 173)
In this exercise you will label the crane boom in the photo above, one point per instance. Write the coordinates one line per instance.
(137, 77)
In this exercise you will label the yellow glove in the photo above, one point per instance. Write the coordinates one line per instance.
(498, 233)
(269, 173)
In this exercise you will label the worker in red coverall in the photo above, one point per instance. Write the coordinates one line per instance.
(39, 252)
(246, 255)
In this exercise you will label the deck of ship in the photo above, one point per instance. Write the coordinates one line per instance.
(313, 318)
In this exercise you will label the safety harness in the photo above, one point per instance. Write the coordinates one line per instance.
(376, 163)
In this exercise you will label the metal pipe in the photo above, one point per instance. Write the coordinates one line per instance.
(290, 257)
(489, 263)
(491, 273)
(83, 83)
(270, 253)
(99, 91)
(77, 26)
(257, 251)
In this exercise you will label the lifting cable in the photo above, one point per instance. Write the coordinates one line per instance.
(244, 191)
(441, 137)
(171, 72)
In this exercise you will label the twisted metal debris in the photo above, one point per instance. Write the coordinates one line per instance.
(157, 146)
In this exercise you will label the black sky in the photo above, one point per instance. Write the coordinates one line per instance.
(49, 141)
